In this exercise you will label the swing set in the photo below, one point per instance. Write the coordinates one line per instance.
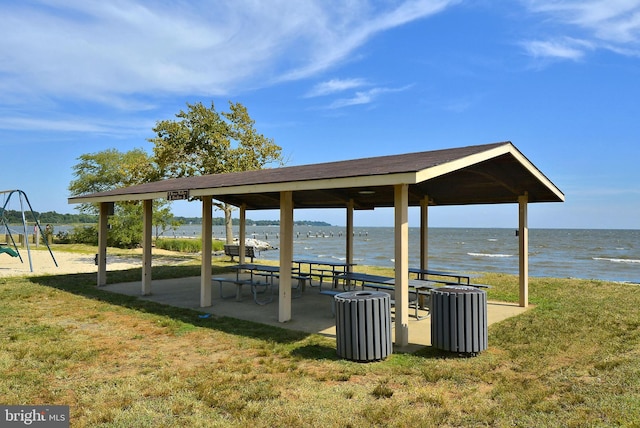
(15, 252)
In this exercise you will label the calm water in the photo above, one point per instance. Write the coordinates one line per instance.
(595, 254)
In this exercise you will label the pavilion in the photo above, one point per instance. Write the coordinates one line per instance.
(495, 173)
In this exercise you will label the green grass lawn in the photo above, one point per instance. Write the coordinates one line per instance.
(572, 360)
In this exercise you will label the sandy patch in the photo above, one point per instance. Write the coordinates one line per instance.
(43, 264)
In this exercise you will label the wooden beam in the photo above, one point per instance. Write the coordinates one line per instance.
(496, 179)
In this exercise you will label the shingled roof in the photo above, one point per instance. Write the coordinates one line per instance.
(481, 174)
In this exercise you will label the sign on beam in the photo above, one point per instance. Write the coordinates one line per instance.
(177, 195)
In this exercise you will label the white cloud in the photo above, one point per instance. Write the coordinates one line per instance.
(106, 51)
(565, 48)
(462, 104)
(339, 29)
(603, 24)
(611, 20)
(19, 123)
(75, 125)
(364, 97)
(335, 85)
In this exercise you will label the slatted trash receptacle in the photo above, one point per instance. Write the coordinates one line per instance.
(363, 325)
(459, 319)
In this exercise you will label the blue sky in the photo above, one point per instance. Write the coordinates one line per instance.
(334, 80)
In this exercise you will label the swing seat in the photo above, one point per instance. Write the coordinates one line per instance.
(8, 250)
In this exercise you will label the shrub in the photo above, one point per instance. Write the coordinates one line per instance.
(83, 235)
(186, 245)
(119, 236)
(182, 245)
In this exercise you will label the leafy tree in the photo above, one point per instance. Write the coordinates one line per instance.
(126, 226)
(110, 169)
(203, 141)
(163, 220)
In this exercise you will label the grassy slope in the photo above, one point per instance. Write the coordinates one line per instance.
(573, 360)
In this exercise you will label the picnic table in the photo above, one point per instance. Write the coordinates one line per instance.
(419, 289)
(256, 272)
(441, 277)
(322, 269)
(426, 273)
(261, 281)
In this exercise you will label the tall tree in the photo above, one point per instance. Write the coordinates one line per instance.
(110, 169)
(203, 141)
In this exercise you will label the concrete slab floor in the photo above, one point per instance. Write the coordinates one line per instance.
(310, 313)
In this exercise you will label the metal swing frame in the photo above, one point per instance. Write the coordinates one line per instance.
(23, 198)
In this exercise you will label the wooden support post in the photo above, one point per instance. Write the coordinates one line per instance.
(401, 206)
(147, 222)
(242, 235)
(424, 233)
(523, 247)
(349, 237)
(103, 228)
(286, 255)
(205, 272)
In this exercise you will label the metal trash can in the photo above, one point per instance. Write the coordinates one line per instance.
(459, 319)
(363, 325)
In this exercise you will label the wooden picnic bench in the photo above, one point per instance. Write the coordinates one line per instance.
(233, 251)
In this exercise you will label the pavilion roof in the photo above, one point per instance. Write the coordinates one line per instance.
(481, 174)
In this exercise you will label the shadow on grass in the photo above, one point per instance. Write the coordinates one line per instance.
(328, 353)
(432, 353)
(322, 352)
(316, 352)
(84, 285)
